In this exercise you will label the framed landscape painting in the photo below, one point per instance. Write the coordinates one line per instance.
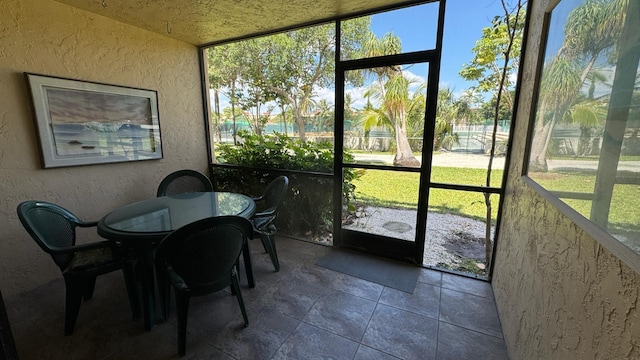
(83, 123)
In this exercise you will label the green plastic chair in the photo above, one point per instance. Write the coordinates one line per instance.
(184, 181)
(199, 259)
(54, 230)
(264, 220)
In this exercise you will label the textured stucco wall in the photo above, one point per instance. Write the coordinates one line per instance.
(559, 293)
(46, 37)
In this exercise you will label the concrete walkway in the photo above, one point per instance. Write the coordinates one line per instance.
(451, 159)
(481, 161)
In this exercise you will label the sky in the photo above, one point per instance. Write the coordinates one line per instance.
(559, 15)
(464, 20)
(416, 27)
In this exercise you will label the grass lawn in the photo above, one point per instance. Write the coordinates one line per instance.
(398, 189)
(624, 213)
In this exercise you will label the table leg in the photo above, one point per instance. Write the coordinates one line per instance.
(147, 279)
(129, 271)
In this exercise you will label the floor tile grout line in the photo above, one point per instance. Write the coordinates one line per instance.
(438, 324)
(300, 322)
(370, 317)
(437, 318)
(334, 333)
(369, 323)
(354, 295)
(378, 350)
(467, 293)
(445, 286)
(470, 329)
(412, 312)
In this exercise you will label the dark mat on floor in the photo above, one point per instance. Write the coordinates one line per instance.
(397, 275)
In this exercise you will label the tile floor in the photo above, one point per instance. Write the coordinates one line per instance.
(302, 312)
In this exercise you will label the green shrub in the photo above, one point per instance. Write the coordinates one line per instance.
(307, 208)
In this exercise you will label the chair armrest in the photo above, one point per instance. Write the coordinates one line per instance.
(262, 221)
(265, 213)
(87, 223)
(81, 247)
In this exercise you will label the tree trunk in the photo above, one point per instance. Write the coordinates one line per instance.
(255, 122)
(284, 120)
(584, 143)
(538, 158)
(233, 111)
(217, 132)
(404, 154)
(300, 123)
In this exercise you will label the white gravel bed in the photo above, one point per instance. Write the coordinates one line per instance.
(441, 228)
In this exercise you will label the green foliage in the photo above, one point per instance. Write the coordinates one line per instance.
(285, 67)
(560, 82)
(591, 33)
(447, 114)
(308, 206)
(277, 151)
(487, 64)
(491, 48)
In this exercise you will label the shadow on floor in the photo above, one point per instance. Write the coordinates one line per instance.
(302, 312)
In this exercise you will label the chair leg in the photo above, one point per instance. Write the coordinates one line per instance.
(235, 289)
(182, 308)
(265, 246)
(268, 242)
(74, 287)
(248, 263)
(236, 268)
(275, 251)
(89, 287)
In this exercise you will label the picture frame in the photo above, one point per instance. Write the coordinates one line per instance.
(84, 123)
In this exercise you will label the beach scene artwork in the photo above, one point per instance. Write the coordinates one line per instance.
(84, 123)
(93, 123)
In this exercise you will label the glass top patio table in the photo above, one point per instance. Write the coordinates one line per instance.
(143, 224)
(155, 218)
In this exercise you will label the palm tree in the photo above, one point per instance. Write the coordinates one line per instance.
(587, 114)
(325, 114)
(306, 107)
(348, 107)
(591, 30)
(467, 103)
(224, 68)
(392, 93)
(447, 113)
(559, 84)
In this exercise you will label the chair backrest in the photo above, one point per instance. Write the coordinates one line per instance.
(274, 193)
(204, 252)
(51, 226)
(184, 181)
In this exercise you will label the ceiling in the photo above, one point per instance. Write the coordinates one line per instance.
(201, 22)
